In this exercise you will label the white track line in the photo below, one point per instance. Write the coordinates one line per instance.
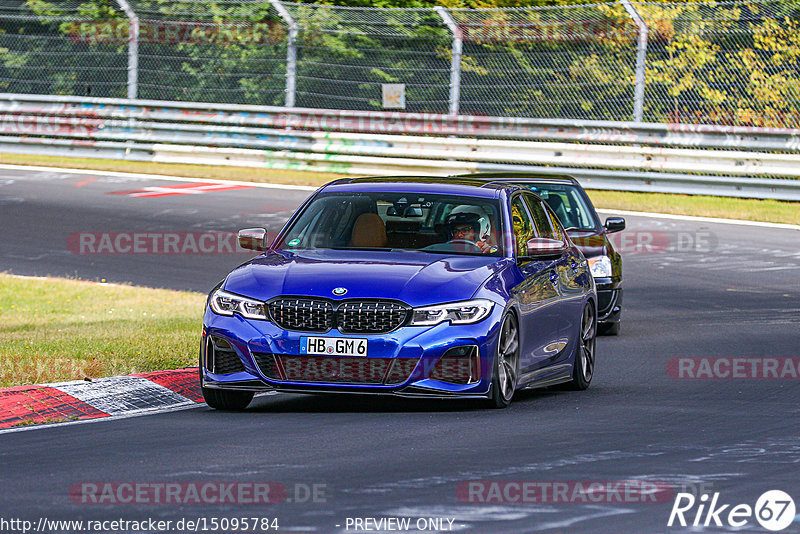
(699, 219)
(116, 174)
(310, 188)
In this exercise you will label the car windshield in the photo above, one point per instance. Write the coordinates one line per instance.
(435, 223)
(568, 204)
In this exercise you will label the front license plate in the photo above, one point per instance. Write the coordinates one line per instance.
(334, 346)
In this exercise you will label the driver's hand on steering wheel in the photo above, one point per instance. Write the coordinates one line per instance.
(485, 247)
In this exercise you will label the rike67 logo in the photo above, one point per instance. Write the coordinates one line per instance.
(774, 510)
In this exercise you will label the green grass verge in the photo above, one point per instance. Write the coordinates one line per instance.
(701, 206)
(47, 421)
(747, 209)
(56, 329)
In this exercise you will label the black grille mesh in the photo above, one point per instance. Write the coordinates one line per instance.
(222, 358)
(363, 317)
(266, 364)
(354, 317)
(305, 315)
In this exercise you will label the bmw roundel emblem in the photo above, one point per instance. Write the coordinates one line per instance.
(339, 291)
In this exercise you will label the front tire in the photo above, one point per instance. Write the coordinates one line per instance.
(221, 399)
(583, 369)
(609, 329)
(506, 363)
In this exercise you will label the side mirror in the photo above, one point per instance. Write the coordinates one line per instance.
(253, 239)
(614, 224)
(542, 246)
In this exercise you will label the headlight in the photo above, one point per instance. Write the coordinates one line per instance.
(464, 312)
(224, 303)
(600, 267)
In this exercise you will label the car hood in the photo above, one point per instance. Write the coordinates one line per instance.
(414, 278)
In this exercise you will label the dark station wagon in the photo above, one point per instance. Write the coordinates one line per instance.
(577, 214)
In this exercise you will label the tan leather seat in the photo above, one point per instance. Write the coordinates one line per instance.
(368, 231)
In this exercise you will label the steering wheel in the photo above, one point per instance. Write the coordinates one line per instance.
(465, 244)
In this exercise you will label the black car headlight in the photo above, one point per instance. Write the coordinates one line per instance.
(224, 303)
(464, 312)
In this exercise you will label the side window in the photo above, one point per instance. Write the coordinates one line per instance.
(562, 207)
(580, 213)
(540, 218)
(558, 230)
(522, 225)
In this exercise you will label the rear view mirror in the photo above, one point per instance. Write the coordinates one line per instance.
(410, 211)
(253, 239)
(542, 246)
(614, 224)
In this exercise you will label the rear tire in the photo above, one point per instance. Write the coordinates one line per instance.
(583, 368)
(505, 371)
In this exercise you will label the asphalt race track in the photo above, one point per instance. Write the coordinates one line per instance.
(699, 290)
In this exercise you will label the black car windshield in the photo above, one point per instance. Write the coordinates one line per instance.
(445, 224)
(568, 203)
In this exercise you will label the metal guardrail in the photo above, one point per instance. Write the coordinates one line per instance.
(56, 108)
(603, 155)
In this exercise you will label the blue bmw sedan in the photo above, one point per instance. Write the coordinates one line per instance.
(416, 287)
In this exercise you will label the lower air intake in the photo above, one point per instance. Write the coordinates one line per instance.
(221, 357)
(338, 370)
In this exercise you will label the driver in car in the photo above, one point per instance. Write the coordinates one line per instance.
(464, 229)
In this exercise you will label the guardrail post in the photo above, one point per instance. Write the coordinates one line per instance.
(133, 48)
(291, 52)
(641, 60)
(455, 63)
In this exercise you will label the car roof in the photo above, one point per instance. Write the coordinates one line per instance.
(521, 177)
(461, 185)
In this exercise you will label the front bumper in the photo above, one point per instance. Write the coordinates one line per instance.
(609, 300)
(409, 392)
(423, 347)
